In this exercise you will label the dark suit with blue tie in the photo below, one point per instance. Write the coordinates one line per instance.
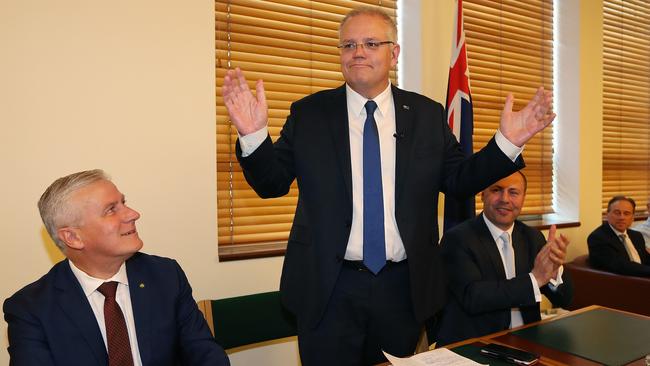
(314, 149)
(51, 321)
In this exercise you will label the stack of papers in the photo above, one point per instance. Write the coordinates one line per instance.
(440, 356)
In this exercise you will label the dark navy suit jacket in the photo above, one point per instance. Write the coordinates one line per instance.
(608, 253)
(480, 295)
(314, 149)
(51, 321)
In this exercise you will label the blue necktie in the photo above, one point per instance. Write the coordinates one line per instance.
(374, 243)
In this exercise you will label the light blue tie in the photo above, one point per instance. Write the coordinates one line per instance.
(508, 255)
(374, 243)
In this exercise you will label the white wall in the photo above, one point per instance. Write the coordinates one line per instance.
(128, 86)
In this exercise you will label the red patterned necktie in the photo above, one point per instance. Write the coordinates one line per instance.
(117, 337)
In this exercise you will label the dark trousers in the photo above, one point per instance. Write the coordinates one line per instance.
(367, 313)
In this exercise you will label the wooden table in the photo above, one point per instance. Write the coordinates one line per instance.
(548, 356)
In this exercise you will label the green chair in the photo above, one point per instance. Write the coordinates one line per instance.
(244, 320)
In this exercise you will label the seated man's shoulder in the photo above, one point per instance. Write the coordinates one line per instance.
(461, 230)
(141, 257)
(144, 266)
(635, 231)
(462, 237)
(38, 292)
(597, 232)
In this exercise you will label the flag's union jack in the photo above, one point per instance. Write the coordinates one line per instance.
(459, 99)
(459, 113)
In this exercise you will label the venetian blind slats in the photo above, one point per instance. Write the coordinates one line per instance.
(510, 49)
(291, 45)
(626, 100)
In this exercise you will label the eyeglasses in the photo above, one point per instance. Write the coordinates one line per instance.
(368, 45)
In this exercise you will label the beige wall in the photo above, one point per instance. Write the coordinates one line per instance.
(129, 87)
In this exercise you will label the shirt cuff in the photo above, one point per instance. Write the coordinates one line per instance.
(252, 141)
(538, 294)
(511, 150)
(554, 283)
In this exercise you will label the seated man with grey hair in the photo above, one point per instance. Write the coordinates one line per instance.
(106, 303)
(616, 248)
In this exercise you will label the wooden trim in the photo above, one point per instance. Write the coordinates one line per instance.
(205, 306)
(251, 251)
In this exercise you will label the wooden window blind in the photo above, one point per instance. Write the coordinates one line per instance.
(510, 49)
(626, 100)
(291, 45)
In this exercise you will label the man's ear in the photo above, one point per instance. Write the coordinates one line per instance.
(395, 55)
(71, 237)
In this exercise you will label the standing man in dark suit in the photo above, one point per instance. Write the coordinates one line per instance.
(490, 290)
(107, 303)
(362, 270)
(614, 247)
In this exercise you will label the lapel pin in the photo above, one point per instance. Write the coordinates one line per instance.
(141, 285)
(406, 107)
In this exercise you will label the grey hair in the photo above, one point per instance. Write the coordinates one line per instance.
(54, 206)
(373, 11)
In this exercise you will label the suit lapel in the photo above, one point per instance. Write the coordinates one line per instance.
(488, 246)
(75, 305)
(141, 303)
(403, 127)
(614, 239)
(339, 126)
(520, 248)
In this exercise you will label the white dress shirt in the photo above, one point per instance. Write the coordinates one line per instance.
(385, 119)
(515, 314)
(122, 297)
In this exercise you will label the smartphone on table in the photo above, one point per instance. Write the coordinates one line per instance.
(509, 354)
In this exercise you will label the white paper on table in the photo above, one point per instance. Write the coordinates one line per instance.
(440, 356)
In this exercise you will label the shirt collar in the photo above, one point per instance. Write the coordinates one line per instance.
(496, 231)
(89, 284)
(357, 102)
(617, 232)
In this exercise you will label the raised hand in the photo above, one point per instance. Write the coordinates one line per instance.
(558, 245)
(247, 112)
(543, 269)
(519, 127)
(550, 258)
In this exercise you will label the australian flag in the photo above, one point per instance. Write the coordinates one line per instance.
(459, 114)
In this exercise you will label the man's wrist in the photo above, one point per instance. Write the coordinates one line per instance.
(511, 150)
(250, 142)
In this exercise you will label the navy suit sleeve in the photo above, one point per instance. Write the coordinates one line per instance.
(468, 176)
(269, 169)
(476, 291)
(27, 342)
(563, 294)
(197, 344)
(603, 254)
